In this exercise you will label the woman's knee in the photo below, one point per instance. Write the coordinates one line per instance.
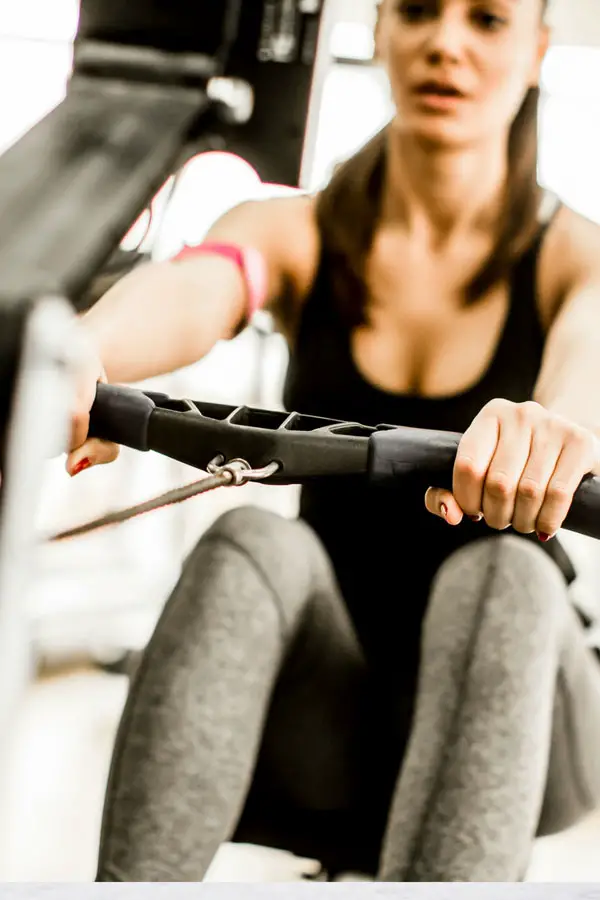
(506, 579)
(284, 553)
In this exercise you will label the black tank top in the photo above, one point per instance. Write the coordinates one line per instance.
(384, 546)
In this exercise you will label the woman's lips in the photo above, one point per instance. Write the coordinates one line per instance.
(438, 98)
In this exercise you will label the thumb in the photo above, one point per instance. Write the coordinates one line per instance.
(441, 503)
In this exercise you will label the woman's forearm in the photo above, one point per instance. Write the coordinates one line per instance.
(571, 366)
(569, 395)
(164, 316)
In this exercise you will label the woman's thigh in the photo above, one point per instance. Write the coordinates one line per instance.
(506, 723)
(328, 759)
(573, 782)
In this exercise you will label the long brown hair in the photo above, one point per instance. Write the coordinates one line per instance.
(348, 211)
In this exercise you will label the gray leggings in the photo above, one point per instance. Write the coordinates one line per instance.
(253, 716)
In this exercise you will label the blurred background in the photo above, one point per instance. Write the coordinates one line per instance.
(97, 599)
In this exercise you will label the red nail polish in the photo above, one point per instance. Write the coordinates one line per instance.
(81, 465)
(444, 510)
(544, 538)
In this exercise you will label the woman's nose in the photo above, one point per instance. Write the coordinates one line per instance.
(446, 39)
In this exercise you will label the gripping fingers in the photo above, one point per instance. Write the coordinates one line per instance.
(574, 463)
(475, 453)
(91, 453)
(441, 503)
(545, 450)
(505, 472)
(80, 423)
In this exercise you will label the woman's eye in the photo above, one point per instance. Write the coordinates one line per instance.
(488, 21)
(416, 12)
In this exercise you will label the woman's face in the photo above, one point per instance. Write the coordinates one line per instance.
(459, 69)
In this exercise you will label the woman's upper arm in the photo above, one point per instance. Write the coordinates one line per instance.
(571, 362)
(570, 265)
(285, 233)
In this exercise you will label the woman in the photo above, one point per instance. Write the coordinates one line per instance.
(392, 688)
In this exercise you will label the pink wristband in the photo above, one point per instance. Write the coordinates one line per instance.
(249, 261)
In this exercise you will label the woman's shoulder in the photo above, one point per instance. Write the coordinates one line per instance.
(272, 220)
(284, 229)
(570, 255)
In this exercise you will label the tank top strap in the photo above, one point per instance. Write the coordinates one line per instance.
(524, 278)
(319, 308)
(524, 335)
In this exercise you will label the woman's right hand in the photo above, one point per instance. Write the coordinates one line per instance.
(83, 451)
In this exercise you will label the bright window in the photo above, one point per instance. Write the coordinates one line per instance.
(35, 60)
(40, 20)
(355, 105)
(570, 127)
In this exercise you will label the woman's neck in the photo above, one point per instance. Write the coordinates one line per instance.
(439, 193)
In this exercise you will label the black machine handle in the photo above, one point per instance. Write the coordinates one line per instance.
(306, 447)
(195, 432)
(122, 415)
(428, 456)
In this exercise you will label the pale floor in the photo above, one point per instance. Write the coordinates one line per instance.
(62, 752)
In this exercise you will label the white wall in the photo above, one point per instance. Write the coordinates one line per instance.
(576, 22)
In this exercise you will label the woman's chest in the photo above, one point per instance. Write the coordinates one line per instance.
(421, 336)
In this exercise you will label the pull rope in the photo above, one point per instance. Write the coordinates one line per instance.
(233, 474)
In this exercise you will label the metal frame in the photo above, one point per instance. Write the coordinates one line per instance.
(144, 93)
(51, 353)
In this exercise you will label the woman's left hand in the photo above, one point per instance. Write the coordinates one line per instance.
(518, 465)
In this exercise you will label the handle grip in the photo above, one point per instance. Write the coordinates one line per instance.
(306, 447)
(122, 415)
(195, 432)
(399, 453)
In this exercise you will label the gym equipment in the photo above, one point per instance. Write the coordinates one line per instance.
(240, 444)
(150, 88)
